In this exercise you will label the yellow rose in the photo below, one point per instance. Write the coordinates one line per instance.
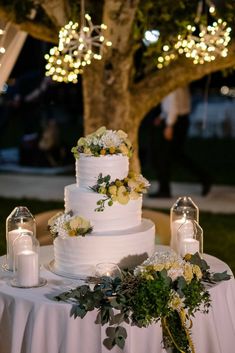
(123, 149)
(188, 273)
(113, 190)
(197, 271)
(122, 195)
(168, 265)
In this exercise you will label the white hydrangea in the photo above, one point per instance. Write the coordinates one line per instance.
(162, 258)
(58, 226)
(110, 139)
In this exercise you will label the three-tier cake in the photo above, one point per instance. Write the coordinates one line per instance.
(105, 203)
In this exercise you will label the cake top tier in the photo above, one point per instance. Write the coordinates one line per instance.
(103, 142)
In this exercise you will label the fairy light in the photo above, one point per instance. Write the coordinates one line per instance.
(2, 49)
(76, 49)
(211, 42)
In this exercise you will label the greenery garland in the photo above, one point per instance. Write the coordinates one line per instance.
(164, 288)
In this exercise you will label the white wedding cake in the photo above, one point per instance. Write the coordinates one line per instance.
(102, 220)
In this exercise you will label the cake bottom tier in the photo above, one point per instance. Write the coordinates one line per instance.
(80, 255)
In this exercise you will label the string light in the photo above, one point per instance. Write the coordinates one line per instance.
(211, 42)
(76, 49)
(2, 49)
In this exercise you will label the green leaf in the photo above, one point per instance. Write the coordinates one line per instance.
(223, 276)
(109, 343)
(197, 260)
(111, 332)
(117, 319)
(121, 331)
(120, 342)
(76, 311)
(107, 178)
(98, 318)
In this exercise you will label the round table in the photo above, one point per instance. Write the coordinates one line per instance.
(32, 322)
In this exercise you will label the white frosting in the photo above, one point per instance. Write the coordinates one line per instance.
(119, 235)
(84, 202)
(79, 255)
(88, 168)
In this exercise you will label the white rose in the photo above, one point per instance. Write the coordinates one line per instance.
(75, 222)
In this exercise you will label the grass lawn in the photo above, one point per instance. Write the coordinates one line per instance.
(219, 229)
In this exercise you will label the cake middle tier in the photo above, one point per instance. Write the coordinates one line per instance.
(116, 217)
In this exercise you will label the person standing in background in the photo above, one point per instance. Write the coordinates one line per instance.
(174, 124)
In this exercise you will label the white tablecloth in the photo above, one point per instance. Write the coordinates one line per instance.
(31, 322)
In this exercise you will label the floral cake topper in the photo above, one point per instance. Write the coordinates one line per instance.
(104, 142)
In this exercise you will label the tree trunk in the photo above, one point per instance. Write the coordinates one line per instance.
(110, 103)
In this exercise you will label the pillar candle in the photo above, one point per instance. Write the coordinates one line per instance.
(189, 246)
(27, 274)
(11, 237)
(24, 242)
(175, 225)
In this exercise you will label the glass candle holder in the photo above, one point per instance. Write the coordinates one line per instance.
(18, 222)
(182, 211)
(190, 239)
(26, 261)
(107, 269)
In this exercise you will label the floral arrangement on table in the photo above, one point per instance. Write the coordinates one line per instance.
(164, 288)
(122, 191)
(103, 142)
(67, 224)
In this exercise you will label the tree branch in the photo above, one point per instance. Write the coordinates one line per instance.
(181, 72)
(35, 29)
(57, 10)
